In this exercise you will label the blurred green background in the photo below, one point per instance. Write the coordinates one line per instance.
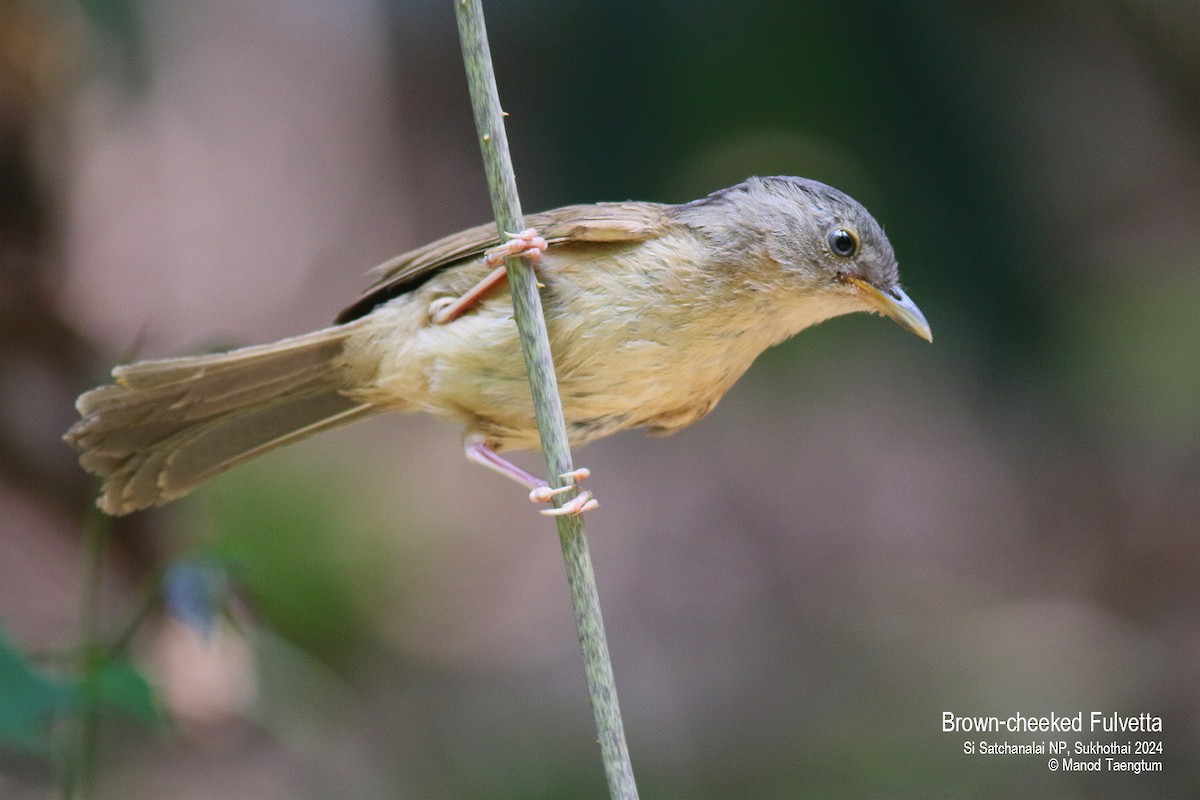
(868, 532)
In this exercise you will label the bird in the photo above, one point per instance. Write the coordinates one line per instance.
(653, 311)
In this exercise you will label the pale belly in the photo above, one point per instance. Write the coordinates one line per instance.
(472, 372)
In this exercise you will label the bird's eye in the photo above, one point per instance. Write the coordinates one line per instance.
(843, 243)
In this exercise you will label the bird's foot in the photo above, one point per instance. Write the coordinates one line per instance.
(584, 501)
(482, 451)
(526, 244)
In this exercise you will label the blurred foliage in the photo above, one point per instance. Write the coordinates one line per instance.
(120, 23)
(29, 700)
(33, 700)
(291, 555)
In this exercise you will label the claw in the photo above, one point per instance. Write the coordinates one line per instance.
(441, 310)
(577, 505)
(543, 494)
(526, 244)
(480, 450)
(582, 502)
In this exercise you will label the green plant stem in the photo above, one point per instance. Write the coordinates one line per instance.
(81, 755)
(149, 594)
(535, 343)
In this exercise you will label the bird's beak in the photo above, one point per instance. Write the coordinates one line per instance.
(894, 303)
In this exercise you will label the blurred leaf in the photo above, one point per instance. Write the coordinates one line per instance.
(117, 684)
(120, 22)
(28, 698)
(31, 699)
(290, 538)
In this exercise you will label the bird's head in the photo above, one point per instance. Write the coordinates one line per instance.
(822, 243)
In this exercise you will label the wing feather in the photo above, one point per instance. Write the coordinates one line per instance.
(599, 222)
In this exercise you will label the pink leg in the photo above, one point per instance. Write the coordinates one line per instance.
(446, 309)
(526, 244)
(478, 450)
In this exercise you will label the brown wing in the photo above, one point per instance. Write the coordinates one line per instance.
(599, 222)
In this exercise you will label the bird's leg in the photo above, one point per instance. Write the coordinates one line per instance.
(481, 452)
(526, 244)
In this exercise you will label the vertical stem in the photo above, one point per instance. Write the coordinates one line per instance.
(535, 343)
(81, 753)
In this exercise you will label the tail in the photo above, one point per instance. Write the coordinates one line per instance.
(166, 427)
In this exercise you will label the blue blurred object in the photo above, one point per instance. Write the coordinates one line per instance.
(197, 592)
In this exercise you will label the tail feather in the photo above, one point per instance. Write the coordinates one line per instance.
(166, 427)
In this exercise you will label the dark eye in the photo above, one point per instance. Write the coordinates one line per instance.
(843, 243)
